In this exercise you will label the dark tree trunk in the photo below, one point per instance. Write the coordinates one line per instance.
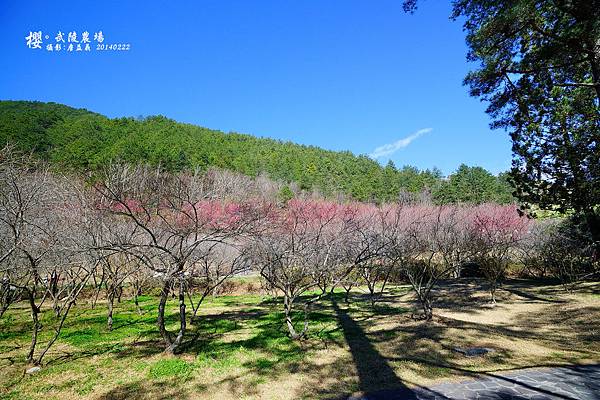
(427, 308)
(36, 325)
(172, 344)
(136, 294)
(182, 321)
(595, 64)
(137, 303)
(160, 321)
(119, 293)
(288, 303)
(493, 292)
(57, 331)
(110, 300)
(593, 222)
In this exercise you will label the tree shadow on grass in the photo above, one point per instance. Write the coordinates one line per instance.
(575, 331)
(374, 371)
(470, 295)
(529, 289)
(140, 390)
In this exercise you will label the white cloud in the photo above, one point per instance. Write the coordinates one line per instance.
(391, 148)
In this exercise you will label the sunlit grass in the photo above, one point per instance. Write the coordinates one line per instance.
(237, 346)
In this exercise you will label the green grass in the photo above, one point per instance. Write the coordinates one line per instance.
(262, 344)
(237, 347)
(172, 367)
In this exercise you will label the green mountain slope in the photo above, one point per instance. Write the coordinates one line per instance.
(77, 138)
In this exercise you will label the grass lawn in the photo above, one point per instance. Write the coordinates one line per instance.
(241, 351)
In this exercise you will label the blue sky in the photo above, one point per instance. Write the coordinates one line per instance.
(339, 74)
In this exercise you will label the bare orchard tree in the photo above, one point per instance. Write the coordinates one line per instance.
(46, 266)
(496, 231)
(452, 239)
(367, 244)
(116, 268)
(105, 237)
(349, 278)
(417, 247)
(17, 200)
(374, 272)
(361, 248)
(232, 186)
(556, 247)
(219, 262)
(173, 218)
(139, 277)
(532, 250)
(28, 265)
(71, 264)
(295, 252)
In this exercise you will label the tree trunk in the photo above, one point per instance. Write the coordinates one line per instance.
(182, 320)
(66, 310)
(119, 293)
(425, 305)
(372, 293)
(288, 306)
(493, 292)
(137, 304)
(172, 344)
(110, 300)
(160, 321)
(593, 223)
(8, 296)
(457, 271)
(136, 294)
(54, 292)
(427, 309)
(36, 326)
(595, 64)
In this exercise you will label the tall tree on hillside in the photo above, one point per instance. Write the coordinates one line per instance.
(538, 67)
(473, 185)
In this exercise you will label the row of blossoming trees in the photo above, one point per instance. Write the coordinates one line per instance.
(187, 233)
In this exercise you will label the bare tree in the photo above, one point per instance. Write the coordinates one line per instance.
(560, 248)
(496, 231)
(349, 278)
(452, 238)
(139, 277)
(41, 210)
(421, 246)
(219, 262)
(532, 249)
(296, 252)
(362, 250)
(116, 268)
(17, 200)
(374, 272)
(173, 218)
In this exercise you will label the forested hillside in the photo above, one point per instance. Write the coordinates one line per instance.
(80, 139)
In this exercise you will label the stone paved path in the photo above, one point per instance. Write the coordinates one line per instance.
(562, 383)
